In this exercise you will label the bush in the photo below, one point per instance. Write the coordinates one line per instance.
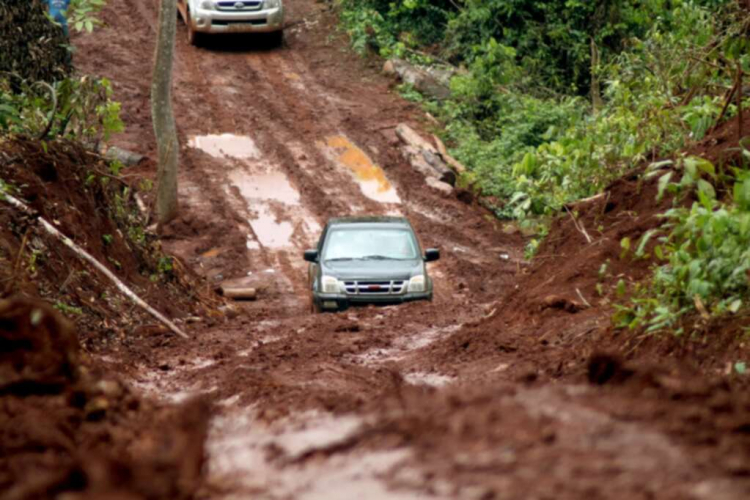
(706, 256)
(75, 108)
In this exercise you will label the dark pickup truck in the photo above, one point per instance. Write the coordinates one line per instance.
(368, 260)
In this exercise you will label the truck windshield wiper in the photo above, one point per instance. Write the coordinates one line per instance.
(339, 259)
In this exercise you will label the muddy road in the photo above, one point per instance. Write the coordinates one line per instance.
(390, 402)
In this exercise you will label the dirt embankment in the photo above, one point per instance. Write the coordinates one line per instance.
(559, 312)
(77, 192)
(66, 428)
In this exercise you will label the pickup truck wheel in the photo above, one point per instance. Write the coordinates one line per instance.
(194, 38)
(314, 309)
(276, 39)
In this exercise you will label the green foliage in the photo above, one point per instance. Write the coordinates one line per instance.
(75, 107)
(552, 39)
(391, 26)
(521, 118)
(647, 109)
(68, 309)
(706, 256)
(517, 116)
(82, 14)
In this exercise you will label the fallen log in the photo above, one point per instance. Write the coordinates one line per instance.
(418, 163)
(430, 83)
(127, 158)
(439, 185)
(447, 175)
(447, 158)
(410, 137)
(238, 293)
(84, 255)
(423, 156)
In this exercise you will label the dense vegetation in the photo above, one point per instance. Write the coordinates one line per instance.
(40, 93)
(552, 100)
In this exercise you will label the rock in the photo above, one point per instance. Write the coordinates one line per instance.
(431, 82)
(389, 68)
(440, 186)
(423, 156)
(446, 174)
(559, 302)
(127, 158)
(110, 388)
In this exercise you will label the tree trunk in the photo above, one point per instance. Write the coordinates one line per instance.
(163, 115)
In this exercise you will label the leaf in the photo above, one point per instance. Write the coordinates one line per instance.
(706, 167)
(621, 289)
(659, 252)
(707, 190)
(742, 194)
(740, 367)
(659, 164)
(640, 251)
(663, 183)
(625, 245)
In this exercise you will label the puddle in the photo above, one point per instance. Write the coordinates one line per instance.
(160, 384)
(270, 201)
(404, 346)
(431, 379)
(370, 177)
(274, 209)
(270, 232)
(226, 146)
(271, 186)
(238, 457)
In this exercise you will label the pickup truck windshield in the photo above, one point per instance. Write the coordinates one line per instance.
(370, 244)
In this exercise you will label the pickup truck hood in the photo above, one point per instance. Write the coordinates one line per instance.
(373, 269)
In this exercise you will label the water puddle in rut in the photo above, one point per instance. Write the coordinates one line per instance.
(370, 177)
(226, 146)
(238, 456)
(272, 201)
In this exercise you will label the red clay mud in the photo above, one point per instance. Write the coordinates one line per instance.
(65, 429)
(483, 393)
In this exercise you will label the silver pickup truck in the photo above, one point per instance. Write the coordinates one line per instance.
(232, 16)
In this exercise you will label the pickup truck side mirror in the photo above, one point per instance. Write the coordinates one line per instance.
(431, 254)
(311, 255)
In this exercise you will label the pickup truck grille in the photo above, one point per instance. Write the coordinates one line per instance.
(392, 287)
(239, 5)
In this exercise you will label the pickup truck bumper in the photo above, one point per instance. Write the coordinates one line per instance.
(340, 302)
(261, 21)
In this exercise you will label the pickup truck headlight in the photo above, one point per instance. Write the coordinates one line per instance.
(272, 4)
(329, 284)
(207, 5)
(417, 284)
